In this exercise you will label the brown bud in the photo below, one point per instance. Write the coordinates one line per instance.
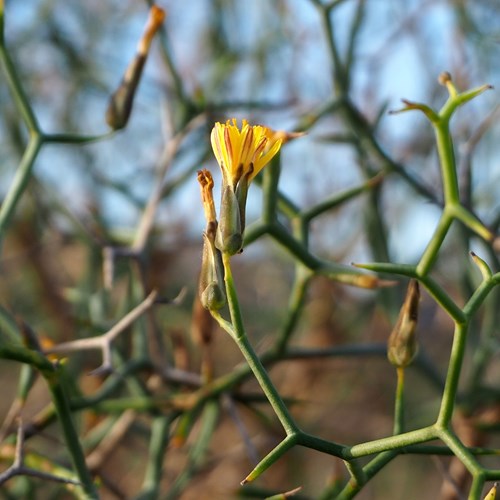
(402, 345)
(444, 78)
(211, 281)
(206, 182)
(120, 103)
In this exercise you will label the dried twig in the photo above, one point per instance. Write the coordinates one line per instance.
(19, 469)
(103, 342)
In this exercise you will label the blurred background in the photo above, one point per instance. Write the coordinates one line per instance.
(291, 65)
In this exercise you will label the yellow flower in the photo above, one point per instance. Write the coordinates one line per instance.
(243, 152)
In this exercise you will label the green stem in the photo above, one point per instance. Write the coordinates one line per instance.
(447, 161)
(453, 375)
(440, 295)
(208, 423)
(461, 452)
(443, 299)
(66, 138)
(287, 443)
(328, 447)
(356, 472)
(250, 355)
(70, 435)
(270, 191)
(338, 199)
(20, 182)
(478, 297)
(391, 443)
(492, 475)
(13, 81)
(476, 488)
(430, 253)
(267, 386)
(399, 403)
(471, 221)
(353, 487)
(339, 74)
(296, 301)
(157, 449)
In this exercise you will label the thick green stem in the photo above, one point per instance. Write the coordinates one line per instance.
(391, 443)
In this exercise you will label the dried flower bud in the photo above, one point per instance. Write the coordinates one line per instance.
(120, 103)
(402, 346)
(206, 182)
(444, 78)
(202, 331)
(211, 282)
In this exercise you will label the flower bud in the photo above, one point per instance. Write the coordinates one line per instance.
(229, 234)
(402, 345)
(120, 103)
(211, 283)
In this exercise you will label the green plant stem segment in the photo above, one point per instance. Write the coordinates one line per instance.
(70, 435)
(237, 332)
(240, 337)
(19, 183)
(157, 449)
(399, 403)
(453, 375)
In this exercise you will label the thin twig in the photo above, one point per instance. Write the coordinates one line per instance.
(111, 440)
(19, 469)
(103, 342)
(230, 407)
(166, 159)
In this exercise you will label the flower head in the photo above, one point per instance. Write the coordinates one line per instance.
(243, 152)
